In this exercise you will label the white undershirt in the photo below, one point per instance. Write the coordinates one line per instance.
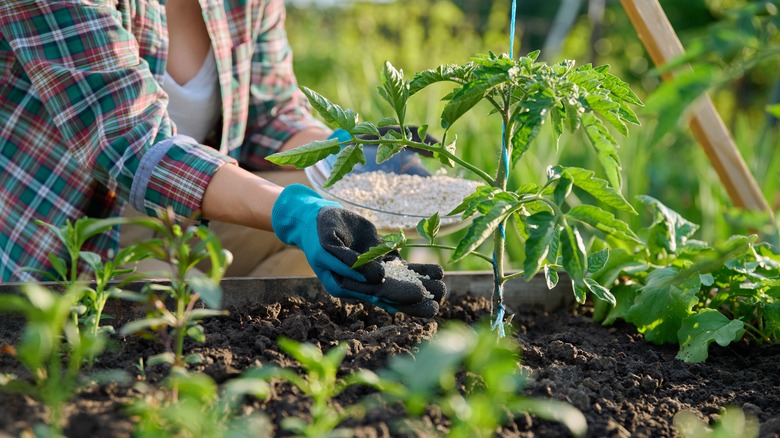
(195, 106)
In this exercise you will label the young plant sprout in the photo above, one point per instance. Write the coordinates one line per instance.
(525, 94)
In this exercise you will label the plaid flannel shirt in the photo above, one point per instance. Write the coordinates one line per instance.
(83, 121)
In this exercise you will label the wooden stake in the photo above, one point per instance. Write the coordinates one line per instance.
(661, 42)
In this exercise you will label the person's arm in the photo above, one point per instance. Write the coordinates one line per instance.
(108, 109)
(237, 196)
(279, 115)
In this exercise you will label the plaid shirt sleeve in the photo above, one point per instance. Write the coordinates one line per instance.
(85, 68)
(277, 107)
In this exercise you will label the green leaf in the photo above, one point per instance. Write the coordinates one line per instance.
(604, 221)
(210, 292)
(59, 265)
(142, 324)
(617, 87)
(442, 73)
(624, 294)
(387, 121)
(391, 243)
(467, 96)
(605, 146)
(660, 307)
(332, 114)
(572, 109)
(306, 155)
(608, 110)
(600, 291)
(574, 259)
(480, 229)
(428, 228)
(597, 260)
(670, 230)
(541, 229)
(530, 121)
(774, 110)
(562, 189)
(701, 329)
(308, 355)
(550, 276)
(385, 151)
(345, 161)
(396, 89)
(366, 128)
(598, 188)
(772, 319)
(197, 333)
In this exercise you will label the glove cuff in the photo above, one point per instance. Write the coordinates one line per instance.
(297, 205)
(340, 135)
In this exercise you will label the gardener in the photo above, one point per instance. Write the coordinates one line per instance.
(104, 104)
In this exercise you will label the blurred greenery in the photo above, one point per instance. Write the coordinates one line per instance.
(339, 51)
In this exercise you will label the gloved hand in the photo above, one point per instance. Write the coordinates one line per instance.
(332, 238)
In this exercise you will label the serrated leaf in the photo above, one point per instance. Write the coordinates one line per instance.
(562, 189)
(556, 118)
(422, 130)
(439, 74)
(366, 128)
(428, 228)
(306, 155)
(604, 221)
(530, 122)
(573, 256)
(333, 115)
(598, 188)
(550, 276)
(597, 260)
(396, 88)
(617, 87)
(660, 307)
(387, 121)
(348, 158)
(481, 228)
(605, 146)
(386, 151)
(572, 109)
(467, 96)
(541, 229)
(391, 242)
(701, 329)
(600, 291)
(670, 230)
(608, 110)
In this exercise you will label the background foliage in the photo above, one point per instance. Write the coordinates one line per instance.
(340, 49)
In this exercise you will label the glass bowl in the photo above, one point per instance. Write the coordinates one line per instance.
(406, 162)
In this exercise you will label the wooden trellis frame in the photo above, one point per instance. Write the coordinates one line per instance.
(663, 45)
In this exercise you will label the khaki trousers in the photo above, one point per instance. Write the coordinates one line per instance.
(255, 253)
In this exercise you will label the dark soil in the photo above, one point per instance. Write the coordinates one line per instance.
(624, 385)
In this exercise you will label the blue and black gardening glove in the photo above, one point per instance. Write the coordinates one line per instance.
(332, 238)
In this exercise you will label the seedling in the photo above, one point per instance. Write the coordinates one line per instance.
(491, 377)
(50, 338)
(524, 94)
(182, 247)
(320, 383)
(73, 235)
(191, 405)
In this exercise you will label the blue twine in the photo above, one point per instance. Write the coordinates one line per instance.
(505, 158)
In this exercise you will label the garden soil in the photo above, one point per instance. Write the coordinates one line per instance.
(623, 385)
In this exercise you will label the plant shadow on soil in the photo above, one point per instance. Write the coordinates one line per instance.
(623, 385)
